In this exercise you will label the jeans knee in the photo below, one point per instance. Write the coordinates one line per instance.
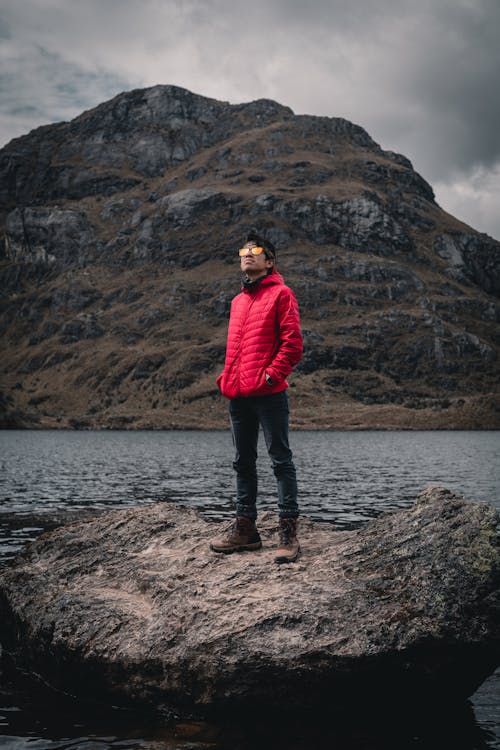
(283, 468)
(245, 469)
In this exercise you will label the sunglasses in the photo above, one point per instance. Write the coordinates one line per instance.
(254, 250)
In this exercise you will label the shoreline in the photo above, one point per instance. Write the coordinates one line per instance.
(189, 428)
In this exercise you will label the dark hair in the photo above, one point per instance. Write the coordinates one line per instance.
(268, 246)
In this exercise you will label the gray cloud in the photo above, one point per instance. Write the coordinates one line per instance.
(420, 77)
(38, 87)
(455, 82)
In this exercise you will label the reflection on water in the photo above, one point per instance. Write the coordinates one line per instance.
(344, 477)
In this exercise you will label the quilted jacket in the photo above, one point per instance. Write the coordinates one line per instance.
(263, 337)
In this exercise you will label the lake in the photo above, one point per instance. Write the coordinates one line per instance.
(345, 478)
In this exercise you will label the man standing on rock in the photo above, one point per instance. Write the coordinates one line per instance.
(264, 344)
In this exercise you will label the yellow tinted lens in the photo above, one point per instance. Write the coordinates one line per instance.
(253, 250)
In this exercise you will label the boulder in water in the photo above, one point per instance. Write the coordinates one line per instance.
(133, 605)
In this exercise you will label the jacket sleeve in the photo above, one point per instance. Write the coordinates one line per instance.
(290, 338)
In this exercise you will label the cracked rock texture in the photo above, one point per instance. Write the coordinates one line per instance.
(134, 605)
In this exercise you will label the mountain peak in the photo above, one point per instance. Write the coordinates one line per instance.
(120, 227)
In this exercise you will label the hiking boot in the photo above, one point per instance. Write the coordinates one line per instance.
(289, 545)
(241, 535)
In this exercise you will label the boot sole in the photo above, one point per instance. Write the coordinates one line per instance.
(282, 560)
(238, 548)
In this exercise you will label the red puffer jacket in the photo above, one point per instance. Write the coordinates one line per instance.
(264, 337)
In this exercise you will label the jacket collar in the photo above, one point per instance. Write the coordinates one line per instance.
(271, 278)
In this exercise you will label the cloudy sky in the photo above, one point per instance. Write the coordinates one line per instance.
(422, 76)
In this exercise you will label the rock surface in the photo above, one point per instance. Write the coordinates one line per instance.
(134, 604)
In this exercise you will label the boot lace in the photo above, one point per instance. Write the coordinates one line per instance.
(287, 531)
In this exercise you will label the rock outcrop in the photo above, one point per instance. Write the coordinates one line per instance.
(143, 201)
(50, 237)
(133, 605)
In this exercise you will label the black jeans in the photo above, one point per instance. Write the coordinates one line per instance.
(272, 413)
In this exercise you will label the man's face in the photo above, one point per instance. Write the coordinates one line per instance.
(254, 265)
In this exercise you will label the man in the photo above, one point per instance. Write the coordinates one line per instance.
(264, 344)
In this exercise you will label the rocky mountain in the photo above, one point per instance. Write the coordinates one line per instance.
(120, 231)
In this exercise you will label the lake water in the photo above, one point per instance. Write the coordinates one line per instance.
(344, 477)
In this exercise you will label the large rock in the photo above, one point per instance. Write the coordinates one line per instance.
(360, 224)
(133, 603)
(57, 237)
(471, 257)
